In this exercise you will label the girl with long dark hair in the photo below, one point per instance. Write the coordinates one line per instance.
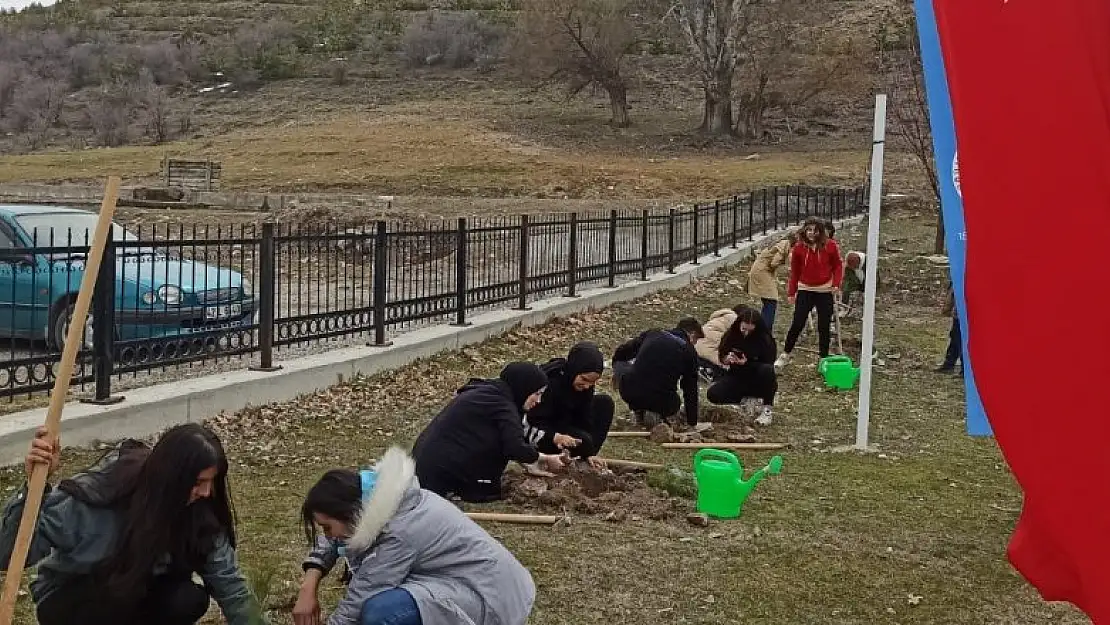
(119, 543)
(816, 271)
(748, 352)
(414, 558)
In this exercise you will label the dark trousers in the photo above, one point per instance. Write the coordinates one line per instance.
(805, 303)
(756, 380)
(954, 353)
(390, 607)
(770, 307)
(664, 402)
(601, 419)
(85, 600)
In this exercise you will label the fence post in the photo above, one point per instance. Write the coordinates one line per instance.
(644, 245)
(763, 203)
(697, 234)
(522, 270)
(716, 227)
(751, 214)
(104, 326)
(572, 257)
(461, 256)
(267, 277)
(381, 286)
(612, 249)
(775, 208)
(735, 220)
(670, 241)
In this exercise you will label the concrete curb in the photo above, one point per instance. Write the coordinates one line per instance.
(149, 410)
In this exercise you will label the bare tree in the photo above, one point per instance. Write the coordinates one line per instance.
(9, 79)
(910, 115)
(715, 31)
(581, 43)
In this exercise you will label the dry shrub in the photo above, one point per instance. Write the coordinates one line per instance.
(453, 40)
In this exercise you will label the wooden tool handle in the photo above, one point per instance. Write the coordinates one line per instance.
(37, 484)
(747, 446)
(631, 464)
(525, 519)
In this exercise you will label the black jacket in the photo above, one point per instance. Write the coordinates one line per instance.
(467, 446)
(662, 360)
(758, 347)
(561, 409)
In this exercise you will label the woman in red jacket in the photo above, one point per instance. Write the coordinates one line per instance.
(816, 271)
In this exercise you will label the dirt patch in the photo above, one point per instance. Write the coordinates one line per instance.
(618, 494)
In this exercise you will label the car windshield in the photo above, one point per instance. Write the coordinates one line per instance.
(79, 226)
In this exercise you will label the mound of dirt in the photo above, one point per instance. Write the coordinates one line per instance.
(618, 494)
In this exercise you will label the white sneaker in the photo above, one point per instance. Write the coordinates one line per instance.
(782, 361)
(702, 426)
(765, 417)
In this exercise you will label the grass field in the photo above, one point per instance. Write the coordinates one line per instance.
(913, 534)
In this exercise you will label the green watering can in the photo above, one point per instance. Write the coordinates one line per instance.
(722, 488)
(839, 372)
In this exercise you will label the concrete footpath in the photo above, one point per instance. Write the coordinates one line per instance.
(149, 410)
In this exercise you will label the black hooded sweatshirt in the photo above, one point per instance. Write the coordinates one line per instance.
(663, 359)
(564, 409)
(466, 447)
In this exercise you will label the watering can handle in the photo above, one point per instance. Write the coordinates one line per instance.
(718, 454)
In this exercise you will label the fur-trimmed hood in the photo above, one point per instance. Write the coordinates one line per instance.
(395, 476)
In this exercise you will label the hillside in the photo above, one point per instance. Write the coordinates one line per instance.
(415, 98)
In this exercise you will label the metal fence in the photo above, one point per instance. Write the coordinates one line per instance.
(180, 296)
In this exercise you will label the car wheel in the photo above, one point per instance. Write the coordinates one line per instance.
(59, 328)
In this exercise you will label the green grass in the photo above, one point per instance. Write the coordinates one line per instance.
(913, 534)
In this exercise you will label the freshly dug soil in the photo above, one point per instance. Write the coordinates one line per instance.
(618, 494)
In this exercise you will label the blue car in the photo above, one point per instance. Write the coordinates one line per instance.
(156, 295)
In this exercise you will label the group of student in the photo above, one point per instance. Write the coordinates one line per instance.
(125, 541)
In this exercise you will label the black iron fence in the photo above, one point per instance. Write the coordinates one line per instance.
(172, 297)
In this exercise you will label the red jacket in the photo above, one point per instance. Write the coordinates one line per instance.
(814, 267)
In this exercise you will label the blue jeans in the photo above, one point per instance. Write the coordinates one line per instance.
(768, 312)
(392, 607)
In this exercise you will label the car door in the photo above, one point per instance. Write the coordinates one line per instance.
(15, 272)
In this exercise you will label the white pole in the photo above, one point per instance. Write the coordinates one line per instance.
(871, 270)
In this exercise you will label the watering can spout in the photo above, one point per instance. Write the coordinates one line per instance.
(773, 468)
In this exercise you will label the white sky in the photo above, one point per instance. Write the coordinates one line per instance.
(19, 4)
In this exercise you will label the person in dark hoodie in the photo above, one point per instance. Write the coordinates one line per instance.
(572, 414)
(649, 368)
(747, 350)
(466, 447)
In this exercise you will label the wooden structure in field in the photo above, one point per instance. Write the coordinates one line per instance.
(192, 175)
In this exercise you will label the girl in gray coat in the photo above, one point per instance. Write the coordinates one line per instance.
(415, 558)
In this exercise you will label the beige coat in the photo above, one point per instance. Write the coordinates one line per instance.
(762, 282)
(714, 330)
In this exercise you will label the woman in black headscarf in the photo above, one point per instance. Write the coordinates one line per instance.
(466, 447)
(573, 415)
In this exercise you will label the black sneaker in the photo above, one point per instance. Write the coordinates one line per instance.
(947, 369)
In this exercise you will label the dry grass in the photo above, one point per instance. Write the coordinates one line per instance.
(915, 535)
(428, 154)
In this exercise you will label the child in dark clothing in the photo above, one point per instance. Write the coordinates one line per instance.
(466, 447)
(572, 414)
(748, 350)
(954, 354)
(649, 368)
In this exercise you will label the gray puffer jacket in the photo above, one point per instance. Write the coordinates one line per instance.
(413, 539)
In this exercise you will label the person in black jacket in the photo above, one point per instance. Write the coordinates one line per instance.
(572, 415)
(466, 447)
(649, 368)
(748, 351)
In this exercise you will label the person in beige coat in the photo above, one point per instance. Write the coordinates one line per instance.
(709, 363)
(762, 282)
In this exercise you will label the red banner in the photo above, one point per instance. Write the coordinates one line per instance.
(1030, 88)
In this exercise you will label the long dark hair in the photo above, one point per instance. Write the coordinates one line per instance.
(150, 489)
(733, 337)
(822, 232)
(337, 494)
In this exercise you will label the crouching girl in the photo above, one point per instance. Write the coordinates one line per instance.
(415, 559)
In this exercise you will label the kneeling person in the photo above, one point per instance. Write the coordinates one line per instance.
(414, 558)
(572, 415)
(748, 350)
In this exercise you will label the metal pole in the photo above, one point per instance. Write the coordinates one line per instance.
(381, 259)
(266, 281)
(461, 255)
(104, 325)
(871, 271)
(522, 270)
(572, 257)
(612, 249)
(644, 218)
